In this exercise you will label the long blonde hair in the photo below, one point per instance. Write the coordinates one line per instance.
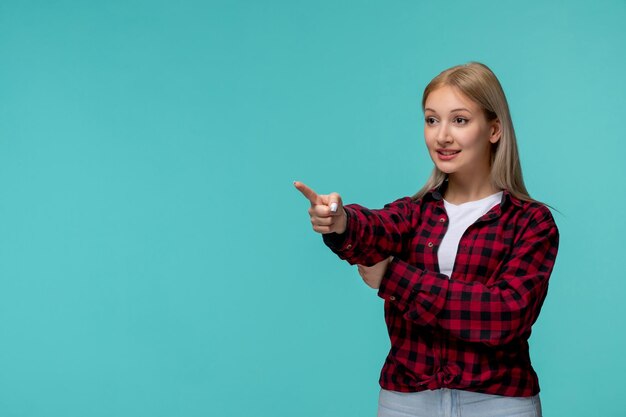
(479, 83)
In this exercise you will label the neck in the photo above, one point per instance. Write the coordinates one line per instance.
(462, 190)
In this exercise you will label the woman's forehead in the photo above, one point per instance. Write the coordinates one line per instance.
(448, 98)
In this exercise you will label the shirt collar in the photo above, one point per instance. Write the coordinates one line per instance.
(438, 192)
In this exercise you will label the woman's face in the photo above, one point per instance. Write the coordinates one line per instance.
(457, 133)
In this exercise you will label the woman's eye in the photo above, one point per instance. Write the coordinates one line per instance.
(460, 120)
(430, 120)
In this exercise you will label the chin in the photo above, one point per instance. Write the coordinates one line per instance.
(446, 169)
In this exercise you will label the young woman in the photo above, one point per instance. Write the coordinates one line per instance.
(463, 266)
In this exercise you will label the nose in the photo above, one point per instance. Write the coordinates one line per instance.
(443, 135)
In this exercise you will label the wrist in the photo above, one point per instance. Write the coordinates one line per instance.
(342, 222)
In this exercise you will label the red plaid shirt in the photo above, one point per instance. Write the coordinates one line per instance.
(469, 331)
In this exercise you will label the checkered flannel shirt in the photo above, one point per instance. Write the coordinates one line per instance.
(468, 331)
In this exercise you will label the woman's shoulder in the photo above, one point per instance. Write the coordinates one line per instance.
(532, 210)
(403, 205)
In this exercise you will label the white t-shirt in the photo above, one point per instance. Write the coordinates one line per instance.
(460, 217)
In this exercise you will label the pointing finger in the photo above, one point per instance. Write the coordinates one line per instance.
(307, 192)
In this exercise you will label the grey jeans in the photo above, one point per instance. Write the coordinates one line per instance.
(455, 403)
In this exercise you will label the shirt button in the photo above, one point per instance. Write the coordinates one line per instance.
(349, 247)
(430, 244)
(443, 219)
(392, 298)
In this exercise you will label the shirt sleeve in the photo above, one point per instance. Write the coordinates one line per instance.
(373, 235)
(493, 314)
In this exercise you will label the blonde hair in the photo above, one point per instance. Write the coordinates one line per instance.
(479, 83)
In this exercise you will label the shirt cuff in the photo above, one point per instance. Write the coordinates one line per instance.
(344, 244)
(418, 293)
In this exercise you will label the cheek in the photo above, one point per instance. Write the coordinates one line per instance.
(472, 138)
(429, 138)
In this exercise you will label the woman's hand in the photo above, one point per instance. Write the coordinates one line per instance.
(326, 211)
(373, 275)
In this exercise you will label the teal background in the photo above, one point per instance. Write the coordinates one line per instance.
(155, 259)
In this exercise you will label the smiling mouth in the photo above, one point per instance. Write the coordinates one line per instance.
(447, 153)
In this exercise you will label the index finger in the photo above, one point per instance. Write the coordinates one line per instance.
(307, 192)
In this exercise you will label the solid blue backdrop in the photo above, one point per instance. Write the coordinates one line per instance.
(155, 259)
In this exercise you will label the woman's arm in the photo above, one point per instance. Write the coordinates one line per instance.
(355, 233)
(493, 314)
(373, 235)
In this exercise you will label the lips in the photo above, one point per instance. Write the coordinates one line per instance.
(446, 154)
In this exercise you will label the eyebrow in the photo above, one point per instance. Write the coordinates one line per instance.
(451, 111)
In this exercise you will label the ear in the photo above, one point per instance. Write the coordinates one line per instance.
(496, 131)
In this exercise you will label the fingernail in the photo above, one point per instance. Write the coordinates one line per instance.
(333, 207)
